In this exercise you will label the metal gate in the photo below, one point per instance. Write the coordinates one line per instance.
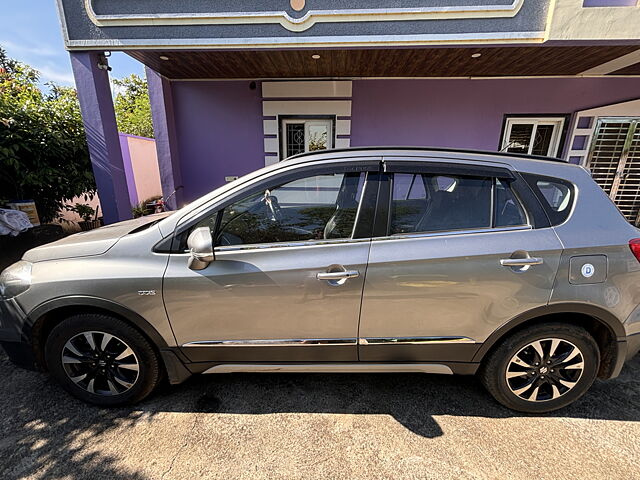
(614, 161)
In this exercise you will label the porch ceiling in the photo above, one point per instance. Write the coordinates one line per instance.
(404, 62)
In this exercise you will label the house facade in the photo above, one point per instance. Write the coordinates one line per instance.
(234, 90)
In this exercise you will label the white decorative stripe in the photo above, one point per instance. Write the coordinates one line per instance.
(343, 142)
(308, 89)
(270, 160)
(270, 127)
(337, 41)
(343, 127)
(341, 108)
(309, 19)
(271, 145)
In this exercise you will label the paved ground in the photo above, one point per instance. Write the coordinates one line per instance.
(316, 426)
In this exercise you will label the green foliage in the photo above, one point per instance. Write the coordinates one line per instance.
(143, 208)
(133, 110)
(43, 149)
(86, 212)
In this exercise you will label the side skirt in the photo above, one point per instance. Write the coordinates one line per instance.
(332, 368)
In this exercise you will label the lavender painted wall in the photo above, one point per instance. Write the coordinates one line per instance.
(98, 116)
(468, 113)
(164, 129)
(128, 169)
(219, 132)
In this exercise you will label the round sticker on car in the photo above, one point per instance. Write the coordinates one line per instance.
(588, 270)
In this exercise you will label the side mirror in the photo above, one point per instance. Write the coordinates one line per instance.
(200, 246)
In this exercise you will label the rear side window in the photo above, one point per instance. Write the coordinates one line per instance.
(555, 195)
(423, 203)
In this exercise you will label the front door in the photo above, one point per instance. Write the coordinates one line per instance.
(287, 279)
(461, 257)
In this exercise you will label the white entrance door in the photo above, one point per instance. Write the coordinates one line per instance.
(301, 135)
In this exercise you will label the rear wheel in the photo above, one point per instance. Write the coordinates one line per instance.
(542, 368)
(102, 360)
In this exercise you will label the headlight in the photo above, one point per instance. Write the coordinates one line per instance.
(15, 279)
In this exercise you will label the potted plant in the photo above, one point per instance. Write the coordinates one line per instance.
(87, 213)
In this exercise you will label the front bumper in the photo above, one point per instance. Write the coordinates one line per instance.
(12, 321)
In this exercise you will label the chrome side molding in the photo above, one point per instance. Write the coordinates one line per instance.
(332, 368)
(413, 340)
(290, 342)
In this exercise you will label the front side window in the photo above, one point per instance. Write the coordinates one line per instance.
(533, 136)
(311, 208)
(424, 203)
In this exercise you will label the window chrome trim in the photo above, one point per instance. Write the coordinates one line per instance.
(413, 340)
(305, 243)
(273, 342)
(401, 236)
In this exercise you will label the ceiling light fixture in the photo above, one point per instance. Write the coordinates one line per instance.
(315, 56)
(164, 57)
(476, 55)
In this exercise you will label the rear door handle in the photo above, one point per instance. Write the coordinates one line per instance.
(339, 275)
(521, 262)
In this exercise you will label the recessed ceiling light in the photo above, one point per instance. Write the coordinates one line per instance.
(164, 57)
(476, 55)
(315, 56)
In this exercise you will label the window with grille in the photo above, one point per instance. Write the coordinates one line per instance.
(614, 162)
(305, 134)
(533, 136)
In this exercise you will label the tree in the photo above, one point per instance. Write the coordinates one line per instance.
(43, 148)
(133, 110)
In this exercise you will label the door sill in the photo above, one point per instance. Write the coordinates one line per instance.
(331, 368)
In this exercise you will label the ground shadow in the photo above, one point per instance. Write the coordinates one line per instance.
(412, 399)
(48, 434)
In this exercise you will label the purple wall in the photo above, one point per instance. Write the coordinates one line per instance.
(219, 132)
(219, 124)
(98, 117)
(609, 3)
(468, 113)
(128, 169)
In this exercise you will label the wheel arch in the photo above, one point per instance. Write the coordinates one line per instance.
(605, 328)
(43, 318)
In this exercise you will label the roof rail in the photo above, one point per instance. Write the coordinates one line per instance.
(430, 149)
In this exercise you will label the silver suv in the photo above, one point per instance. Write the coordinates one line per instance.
(518, 269)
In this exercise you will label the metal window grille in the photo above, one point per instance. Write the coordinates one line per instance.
(614, 161)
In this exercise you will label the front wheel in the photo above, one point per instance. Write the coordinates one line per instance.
(102, 360)
(542, 368)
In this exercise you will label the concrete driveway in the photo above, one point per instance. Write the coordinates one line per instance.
(316, 426)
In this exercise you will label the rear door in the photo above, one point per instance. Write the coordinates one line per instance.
(465, 248)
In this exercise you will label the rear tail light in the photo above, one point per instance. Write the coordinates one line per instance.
(634, 245)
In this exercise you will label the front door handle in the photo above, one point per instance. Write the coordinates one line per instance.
(521, 262)
(339, 275)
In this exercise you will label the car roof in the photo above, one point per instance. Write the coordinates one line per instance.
(457, 153)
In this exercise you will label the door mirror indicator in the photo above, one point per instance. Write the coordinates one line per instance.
(200, 246)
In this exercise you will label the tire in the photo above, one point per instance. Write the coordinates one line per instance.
(122, 363)
(572, 369)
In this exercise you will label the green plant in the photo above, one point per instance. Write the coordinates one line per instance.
(43, 148)
(142, 208)
(86, 212)
(132, 106)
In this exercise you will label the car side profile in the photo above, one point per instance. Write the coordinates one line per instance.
(518, 269)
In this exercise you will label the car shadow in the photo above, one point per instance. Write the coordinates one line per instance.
(47, 433)
(412, 399)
